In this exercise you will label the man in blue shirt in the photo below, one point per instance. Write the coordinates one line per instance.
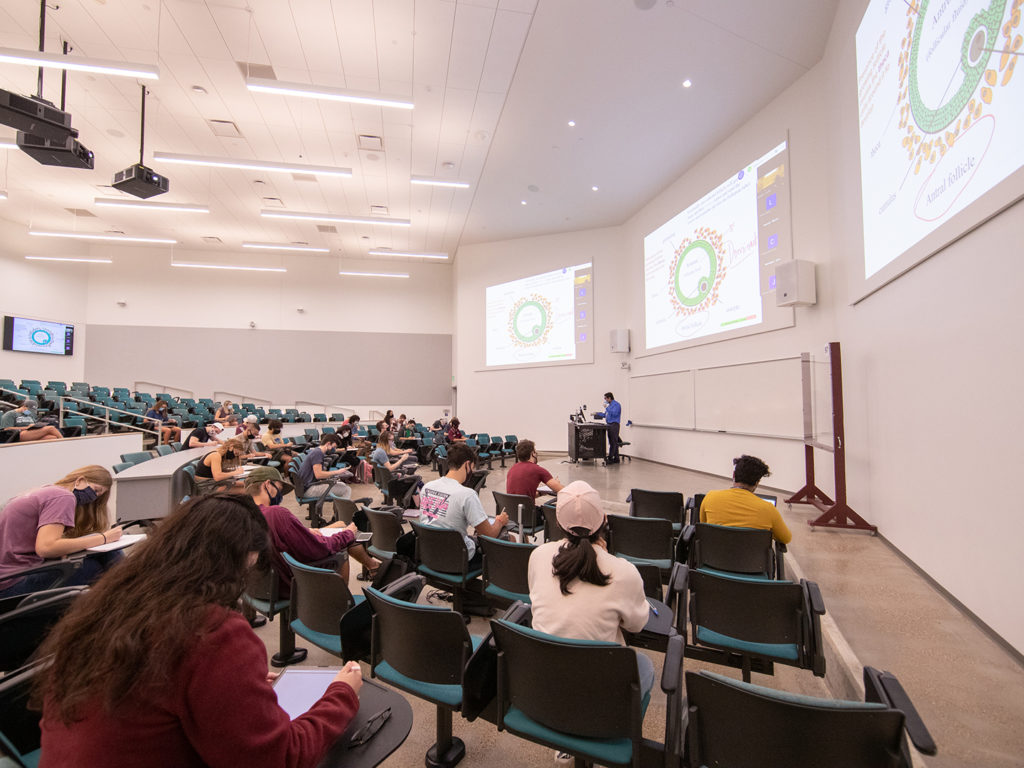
(612, 416)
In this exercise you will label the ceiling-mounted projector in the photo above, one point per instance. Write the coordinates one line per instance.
(68, 153)
(140, 181)
(35, 117)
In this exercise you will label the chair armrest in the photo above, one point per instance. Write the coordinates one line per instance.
(63, 570)
(678, 587)
(672, 671)
(814, 607)
(889, 689)
(817, 603)
(518, 613)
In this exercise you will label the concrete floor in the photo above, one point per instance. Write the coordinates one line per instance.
(967, 688)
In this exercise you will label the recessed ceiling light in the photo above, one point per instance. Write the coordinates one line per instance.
(593, 189)
(116, 202)
(286, 247)
(263, 85)
(572, 123)
(373, 274)
(100, 236)
(199, 89)
(69, 258)
(522, 202)
(410, 254)
(225, 266)
(79, 64)
(687, 83)
(439, 182)
(339, 218)
(252, 165)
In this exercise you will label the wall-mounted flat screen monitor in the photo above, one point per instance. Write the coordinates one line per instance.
(22, 334)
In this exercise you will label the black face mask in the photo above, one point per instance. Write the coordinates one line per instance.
(85, 496)
(276, 498)
(229, 454)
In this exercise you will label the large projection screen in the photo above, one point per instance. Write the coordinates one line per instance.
(544, 319)
(709, 271)
(941, 121)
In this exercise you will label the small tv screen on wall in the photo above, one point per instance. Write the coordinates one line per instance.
(22, 334)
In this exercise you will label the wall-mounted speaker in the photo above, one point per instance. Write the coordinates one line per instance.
(794, 284)
(620, 340)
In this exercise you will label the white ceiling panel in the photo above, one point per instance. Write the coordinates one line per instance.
(507, 39)
(470, 37)
(356, 39)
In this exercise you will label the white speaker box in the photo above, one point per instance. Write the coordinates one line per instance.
(620, 340)
(794, 284)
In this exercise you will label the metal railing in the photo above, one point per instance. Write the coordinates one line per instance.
(106, 421)
(162, 388)
(235, 397)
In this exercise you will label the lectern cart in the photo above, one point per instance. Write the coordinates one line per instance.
(586, 441)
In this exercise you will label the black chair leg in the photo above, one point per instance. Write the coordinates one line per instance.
(287, 653)
(447, 751)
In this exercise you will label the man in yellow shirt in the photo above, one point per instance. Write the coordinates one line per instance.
(739, 507)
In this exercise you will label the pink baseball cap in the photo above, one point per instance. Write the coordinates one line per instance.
(579, 506)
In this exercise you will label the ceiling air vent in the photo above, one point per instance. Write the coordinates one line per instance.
(264, 71)
(371, 143)
(327, 229)
(81, 212)
(224, 128)
(378, 210)
(211, 240)
(273, 202)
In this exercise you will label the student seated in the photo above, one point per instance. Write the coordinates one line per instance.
(225, 414)
(55, 521)
(738, 506)
(223, 464)
(275, 444)
(249, 432)
(580, 591)
(526, 475)
(453, 434)
(157, 417)
(399, 461)
(311, 546)
(202, 435)
(23, 420)
(315, 476)
(154, 668)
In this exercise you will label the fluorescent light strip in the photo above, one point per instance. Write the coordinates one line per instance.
(67, 258)
(338, 218)
(328, 93)
(374, 274)
(252, 165)
(225, 266)
(3, 195)
(116, 202)
(286, 247)
(79, 64)
(438, 182)
(8, 144)
(114, 238)
(410, 254)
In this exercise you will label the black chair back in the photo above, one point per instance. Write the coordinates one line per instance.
(739, 550)
(427, 643)
(509, 503)
(23, 628)
(552, 530)
(319, 597)
(731, 724)
(441, 549)
(505, 565)
(19, 725)
(649, 538)
(667, 505)
(385, 528)
(602, 702)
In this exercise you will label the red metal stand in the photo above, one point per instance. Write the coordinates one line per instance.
(835, 514)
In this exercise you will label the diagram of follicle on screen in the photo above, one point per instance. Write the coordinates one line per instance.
(953, 62)
(696, 275)
(530, 320)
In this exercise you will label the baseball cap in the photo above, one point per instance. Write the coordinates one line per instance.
(251, 419)
(263, 474)
(579, 506)
(218, 425)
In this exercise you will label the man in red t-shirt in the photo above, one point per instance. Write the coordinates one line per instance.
(526, 474)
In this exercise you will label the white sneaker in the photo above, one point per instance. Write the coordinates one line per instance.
(563, 758)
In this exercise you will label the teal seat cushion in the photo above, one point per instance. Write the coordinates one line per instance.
(496, 591)
(330, 643)
(448, 695)
(451, 578)
(658, 563)
(787, 651)
(738, 576)
(265, 606)
(794, 698)
(380, 554)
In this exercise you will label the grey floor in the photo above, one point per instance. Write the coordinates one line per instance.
(968, 689)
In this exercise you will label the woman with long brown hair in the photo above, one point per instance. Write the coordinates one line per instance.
(153, 666)
(55, 521)
(223, 463)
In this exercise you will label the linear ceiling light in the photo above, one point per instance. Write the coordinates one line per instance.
(374, 274)
(286, 247)
(328, 93)
(3, 195)
(410, 254)
(8, 144)
(102, 236)
(116, 202)
(68, 258)
(252, 165)
(429, 182)
(79, 64)
(225, 266)
(337, 218)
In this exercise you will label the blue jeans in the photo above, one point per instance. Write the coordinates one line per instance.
(93, 566)
(646, 668)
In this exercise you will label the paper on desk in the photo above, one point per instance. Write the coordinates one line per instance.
(299, 689)
(126, 540)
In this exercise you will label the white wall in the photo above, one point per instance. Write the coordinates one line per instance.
(931, 361)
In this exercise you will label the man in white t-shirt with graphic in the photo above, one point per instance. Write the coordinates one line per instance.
(447, 503)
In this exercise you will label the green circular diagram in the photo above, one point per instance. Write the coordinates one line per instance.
(538, 329)
(973, 61)
(41, 337)
(705, 282)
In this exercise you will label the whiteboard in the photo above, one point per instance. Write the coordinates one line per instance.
(759, 398)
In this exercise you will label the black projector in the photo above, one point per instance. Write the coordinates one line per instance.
(36, 117)
(68, 153)
(140, 181)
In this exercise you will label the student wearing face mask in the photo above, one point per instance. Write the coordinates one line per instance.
(52, 522)
(313, 546)
(220, 465)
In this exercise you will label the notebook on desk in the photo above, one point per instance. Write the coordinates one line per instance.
(126, 540)
(299, 689)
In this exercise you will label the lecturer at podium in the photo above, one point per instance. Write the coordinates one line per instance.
(612, 415)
